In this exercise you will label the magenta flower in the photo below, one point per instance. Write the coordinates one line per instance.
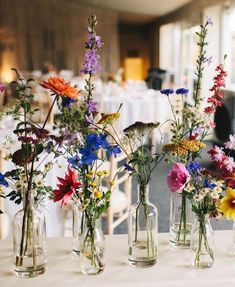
(177, 177)
(1, 88)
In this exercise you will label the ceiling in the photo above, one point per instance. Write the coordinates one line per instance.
(138, 11)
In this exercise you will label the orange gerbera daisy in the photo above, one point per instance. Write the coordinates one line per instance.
(60, 87)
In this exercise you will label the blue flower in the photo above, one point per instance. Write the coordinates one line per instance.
(67, 102)
(93, 141)
(49, 147)
(2, 180)
(182, 91)
(88, 156)
(128, 167)
(115, 150)
(74, 161)
(194, 166)
(208, 184)
(167, 91)
(103, 141)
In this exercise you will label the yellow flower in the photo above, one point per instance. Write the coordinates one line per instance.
(100, 173)
(93, 184)
(105, 171)
(88, 175)
(227, 204)
(109, 118)
(184, 146)
(97, 194)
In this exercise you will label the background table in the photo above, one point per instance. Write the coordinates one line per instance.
(173, 268)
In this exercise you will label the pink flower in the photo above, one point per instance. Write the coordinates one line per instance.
(217, 154)
(231, 143)
(229, 164)
(177, 177)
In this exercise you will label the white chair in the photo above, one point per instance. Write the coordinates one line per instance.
(121, 194)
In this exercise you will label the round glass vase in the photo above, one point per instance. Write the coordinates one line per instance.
(181, 220)
(78, 224)
(142, 231)
(92, 247)
(202, 242)
(29, 241)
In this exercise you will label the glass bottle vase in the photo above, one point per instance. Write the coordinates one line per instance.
(29, 241)
(142, 231)
(78, 223)
(202, 242)
(181, 220)
(92, 247)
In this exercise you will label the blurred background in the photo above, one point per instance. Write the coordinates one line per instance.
(148, 45)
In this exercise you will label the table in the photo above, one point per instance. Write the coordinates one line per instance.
(148, 106)
(173, 268)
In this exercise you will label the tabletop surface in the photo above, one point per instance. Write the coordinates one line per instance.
(172, 269)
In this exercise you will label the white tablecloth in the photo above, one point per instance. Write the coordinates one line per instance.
(148, 106)
(173, 268)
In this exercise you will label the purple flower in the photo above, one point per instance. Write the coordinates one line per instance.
(92, 107)
(91, 64)
(197, 131)
(1, 88)
(90, 119)
(93, 41)
(207, 60)
(167, 91)
(209, 21)
(182, 91)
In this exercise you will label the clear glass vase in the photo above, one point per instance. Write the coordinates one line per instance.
(78, 224)
(234, 238)
(142, 231)
(202, 242)
(181, 220)
(29, 241)
(92, 247)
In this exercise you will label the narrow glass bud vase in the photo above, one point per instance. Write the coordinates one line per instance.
(202, 242)
(234, 238)
(78, 224)
(92, 247)
(29, 241)
(181, 220)
(142, 231)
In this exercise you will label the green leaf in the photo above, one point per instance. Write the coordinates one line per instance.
(26, 106)
(38, 149)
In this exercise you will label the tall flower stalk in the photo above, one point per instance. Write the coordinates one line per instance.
(189, 132)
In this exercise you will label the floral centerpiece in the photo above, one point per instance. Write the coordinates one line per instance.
(86, 146)
(187, 140)
(143, 216)
(27, 179)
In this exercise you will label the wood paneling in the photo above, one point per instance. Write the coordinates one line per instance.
(54, 30)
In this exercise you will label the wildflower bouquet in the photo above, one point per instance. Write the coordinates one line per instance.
(27, 179)
(223, 159)
(87, 146)
(143, 217)
(187, 138)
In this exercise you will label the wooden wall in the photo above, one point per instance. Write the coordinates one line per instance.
(35, 31)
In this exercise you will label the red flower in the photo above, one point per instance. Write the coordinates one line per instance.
(67, 187)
